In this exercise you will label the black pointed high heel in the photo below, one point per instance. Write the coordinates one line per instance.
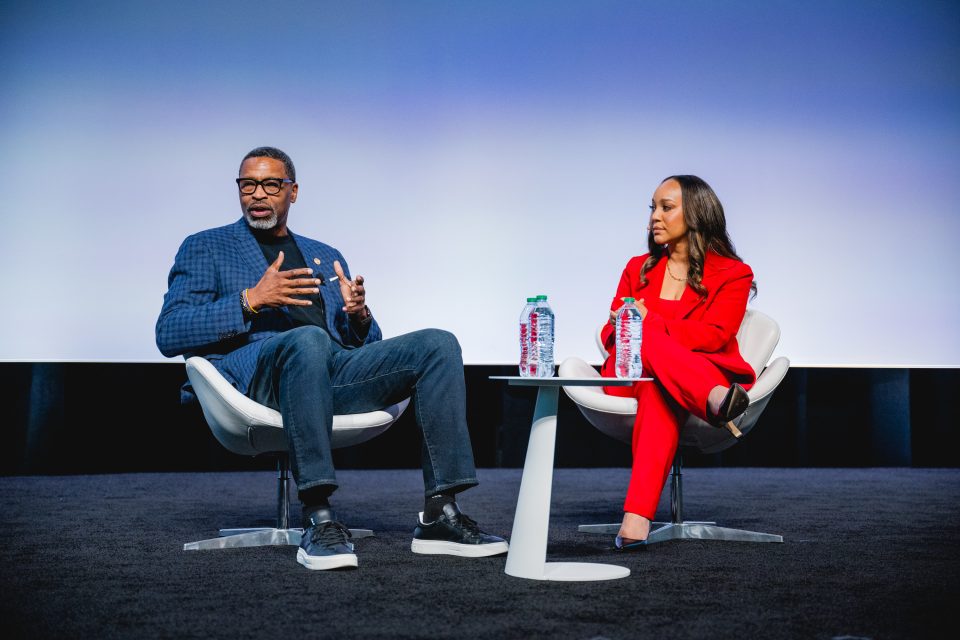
(732, 407)
(636, 545)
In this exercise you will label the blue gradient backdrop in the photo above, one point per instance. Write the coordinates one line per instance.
(464, 155)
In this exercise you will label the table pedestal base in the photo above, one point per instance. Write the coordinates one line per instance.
(528, 542)
(577, 572)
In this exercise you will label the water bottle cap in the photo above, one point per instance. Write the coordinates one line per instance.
(531, 299)
(541, 297)
(627, 300)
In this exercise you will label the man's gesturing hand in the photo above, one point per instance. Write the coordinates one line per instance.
(354, 295)
(277, 288)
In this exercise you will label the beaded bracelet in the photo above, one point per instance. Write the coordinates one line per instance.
(245, 303)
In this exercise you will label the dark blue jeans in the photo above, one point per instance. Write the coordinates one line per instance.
(308, 378)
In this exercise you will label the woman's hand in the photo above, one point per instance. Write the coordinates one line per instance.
(640, 307)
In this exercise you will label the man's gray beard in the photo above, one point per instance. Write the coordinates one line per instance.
(261, 224)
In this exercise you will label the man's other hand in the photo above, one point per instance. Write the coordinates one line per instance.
(354, 295)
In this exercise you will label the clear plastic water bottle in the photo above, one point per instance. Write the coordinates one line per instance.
(544, 337)
(629, 338)
(525, 337)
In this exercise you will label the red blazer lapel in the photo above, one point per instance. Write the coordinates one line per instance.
(713, 273)
(689, 300)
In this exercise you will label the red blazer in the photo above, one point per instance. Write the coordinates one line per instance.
(706, 324)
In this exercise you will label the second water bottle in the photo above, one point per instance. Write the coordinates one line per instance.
(541, 325)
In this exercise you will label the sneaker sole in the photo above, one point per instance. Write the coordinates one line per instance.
(322, 563)
(443, 547)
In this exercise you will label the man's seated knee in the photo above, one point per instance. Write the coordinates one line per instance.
(307, 340)
(439, 342)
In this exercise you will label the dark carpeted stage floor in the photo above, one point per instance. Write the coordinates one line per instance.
(868, 553)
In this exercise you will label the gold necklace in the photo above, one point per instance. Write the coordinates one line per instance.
(675, 277)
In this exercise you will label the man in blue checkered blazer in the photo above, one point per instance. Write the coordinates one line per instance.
(280, 317)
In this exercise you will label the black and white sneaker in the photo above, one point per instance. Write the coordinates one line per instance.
(325, 543)
(455, 534)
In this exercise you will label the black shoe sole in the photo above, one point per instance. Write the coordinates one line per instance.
(734, 404)
(447, 548)
(630, 547)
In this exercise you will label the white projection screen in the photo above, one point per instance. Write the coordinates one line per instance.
(465, 155)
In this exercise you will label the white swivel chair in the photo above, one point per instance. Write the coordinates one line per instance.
(246, 427)
(758, 337)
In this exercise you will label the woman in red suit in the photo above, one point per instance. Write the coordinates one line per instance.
(692, 290)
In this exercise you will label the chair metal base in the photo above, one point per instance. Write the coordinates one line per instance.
(677, 529)
(280, 535)
(258, 537)
(688, 531)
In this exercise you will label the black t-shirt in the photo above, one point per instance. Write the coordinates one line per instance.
(271, 246)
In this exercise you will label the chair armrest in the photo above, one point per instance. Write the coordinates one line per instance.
(769, 378)
(223, 404)
(593, 397)
(697, 433)
(599, 339)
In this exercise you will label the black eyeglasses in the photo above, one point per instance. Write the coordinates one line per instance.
(271, 186)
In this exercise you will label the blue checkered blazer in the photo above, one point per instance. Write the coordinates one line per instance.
(201, 312)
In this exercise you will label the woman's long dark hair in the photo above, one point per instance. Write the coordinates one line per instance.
(706, 231)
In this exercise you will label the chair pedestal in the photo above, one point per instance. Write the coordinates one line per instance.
(680, 530)
(233, 538)
(688, 531)
(280, 535)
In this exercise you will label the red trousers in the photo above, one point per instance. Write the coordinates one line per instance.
(682, 381)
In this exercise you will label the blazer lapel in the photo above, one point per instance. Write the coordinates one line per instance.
(689, 301)
(248, 248)
(329, 291)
